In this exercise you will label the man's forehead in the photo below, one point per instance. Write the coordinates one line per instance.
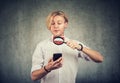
(58, 18)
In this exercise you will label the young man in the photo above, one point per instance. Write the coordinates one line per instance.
(64, 69)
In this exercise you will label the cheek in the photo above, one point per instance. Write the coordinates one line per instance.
(51, 28)
(62, 30)
(62, 27)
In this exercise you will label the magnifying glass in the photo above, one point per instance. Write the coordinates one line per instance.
(58, 40)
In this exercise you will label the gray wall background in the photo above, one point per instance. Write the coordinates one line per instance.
(93, 22)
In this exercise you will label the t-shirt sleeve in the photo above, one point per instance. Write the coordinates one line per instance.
(84, 56)
(37, 59)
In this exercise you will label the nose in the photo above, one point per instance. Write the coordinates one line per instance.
(56, 25)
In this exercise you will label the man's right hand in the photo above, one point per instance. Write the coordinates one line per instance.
(52, 65)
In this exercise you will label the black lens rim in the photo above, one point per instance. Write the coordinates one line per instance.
(60, 38)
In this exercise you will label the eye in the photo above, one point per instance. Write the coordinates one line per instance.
(59, 23)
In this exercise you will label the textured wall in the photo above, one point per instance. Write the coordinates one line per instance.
(93, 22)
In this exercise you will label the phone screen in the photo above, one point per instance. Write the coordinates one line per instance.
(56, 56)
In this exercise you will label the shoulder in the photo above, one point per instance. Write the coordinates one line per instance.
(43, 42)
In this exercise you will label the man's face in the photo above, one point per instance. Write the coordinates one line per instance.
(58, 26)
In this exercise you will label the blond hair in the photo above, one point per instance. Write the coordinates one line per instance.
(52, 15)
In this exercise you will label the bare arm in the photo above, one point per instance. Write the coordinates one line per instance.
(52, 65)
(94, 55)
(38, 74)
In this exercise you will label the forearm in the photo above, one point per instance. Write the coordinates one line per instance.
(94, 55)
(52, 65)
(38, 74)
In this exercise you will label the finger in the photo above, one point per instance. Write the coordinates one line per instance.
(68, 42)
(57, 61)
(60, 58)
(58, 65)
(50, 60)
(61, 61)
(72, 46)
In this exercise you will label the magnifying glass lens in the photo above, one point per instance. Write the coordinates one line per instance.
(58, 40)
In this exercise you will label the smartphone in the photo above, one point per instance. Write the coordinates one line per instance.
(56, 56)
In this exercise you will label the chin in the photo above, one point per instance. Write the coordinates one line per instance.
(58, 34)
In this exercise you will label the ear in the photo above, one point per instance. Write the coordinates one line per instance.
(66, 24)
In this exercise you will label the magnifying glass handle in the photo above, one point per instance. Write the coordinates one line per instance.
(65, 42)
